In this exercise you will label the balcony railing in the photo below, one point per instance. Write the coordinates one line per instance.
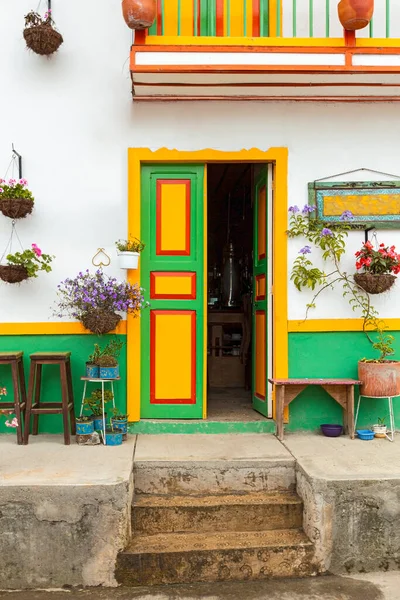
(267, 18)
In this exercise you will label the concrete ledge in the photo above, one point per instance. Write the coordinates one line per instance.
(65, 512)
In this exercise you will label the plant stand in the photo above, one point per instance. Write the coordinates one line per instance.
(392, 428)
(102, 381)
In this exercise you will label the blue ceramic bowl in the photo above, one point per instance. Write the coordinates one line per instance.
(332, 430)
(365, 434)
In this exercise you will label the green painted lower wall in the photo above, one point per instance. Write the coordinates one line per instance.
(316, 355)
(80, 347)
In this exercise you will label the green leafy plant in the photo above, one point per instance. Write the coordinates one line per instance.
(117, 416)
(381, 422)
(134, 245)
(331, 241)
(15, 189)
(33, 260)
(94, 357)
(111, 349)
(94, 401)
(83, 419)
(107, 361)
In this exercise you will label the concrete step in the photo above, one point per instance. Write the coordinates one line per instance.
(241, 512)
(173, 558)
(212, 464)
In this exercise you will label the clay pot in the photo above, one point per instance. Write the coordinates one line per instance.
(139, 14)
(379, 379)
(355, 14)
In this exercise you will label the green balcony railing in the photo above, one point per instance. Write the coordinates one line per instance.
(267, 18)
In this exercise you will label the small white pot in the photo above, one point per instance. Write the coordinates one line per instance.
(380, 431)
(128, 260)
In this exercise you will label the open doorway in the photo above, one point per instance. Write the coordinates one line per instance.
(231, 192)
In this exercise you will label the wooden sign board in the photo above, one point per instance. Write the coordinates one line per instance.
(372, 203)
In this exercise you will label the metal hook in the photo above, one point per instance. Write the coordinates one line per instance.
(15, 153)
(100, 263)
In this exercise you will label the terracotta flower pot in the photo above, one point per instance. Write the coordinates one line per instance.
(379, 379)
(139, 14)
(355, 14)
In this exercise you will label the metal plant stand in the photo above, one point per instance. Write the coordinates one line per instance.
(102, 381)
(392, 429)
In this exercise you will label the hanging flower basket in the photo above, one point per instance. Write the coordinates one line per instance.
(100, 321)
(40, 35)
(139, 14)
(374, 284)
(13, 273)
(16, 208)
(355, 14)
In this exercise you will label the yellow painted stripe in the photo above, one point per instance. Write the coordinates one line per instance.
(225, 23)
(249, 18)
(53, 328)
(324, 325)
(154, 40)
(187, 16)
(171, 17)
(173, 356)
(237, 17)
(378, 42)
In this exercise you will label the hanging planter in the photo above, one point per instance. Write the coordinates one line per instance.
(129, 252)
(40, 35)
(355, 14)
(16, 201)
(13, 273)
(100, 321)
(25, 264)
(374, 284)
(139, 14)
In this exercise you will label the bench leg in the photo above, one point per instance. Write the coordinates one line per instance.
(65, 409)
(350, 412)
(29, 400)
(38, 386)
(17, 401)
(280, 403)
(71, 399)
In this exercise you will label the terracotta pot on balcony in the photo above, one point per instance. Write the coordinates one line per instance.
(139, 14)
(355, 14)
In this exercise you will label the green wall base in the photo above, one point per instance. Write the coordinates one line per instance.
(201, 426)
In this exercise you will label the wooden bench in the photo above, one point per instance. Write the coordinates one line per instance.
(341, 390)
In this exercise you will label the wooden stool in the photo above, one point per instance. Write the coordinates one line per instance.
(35, 407)
(18, 379)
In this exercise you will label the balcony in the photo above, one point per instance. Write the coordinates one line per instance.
(266, 50)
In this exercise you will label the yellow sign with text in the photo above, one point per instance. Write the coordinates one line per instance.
(362, 205)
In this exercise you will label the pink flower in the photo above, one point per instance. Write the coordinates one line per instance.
(12, 182)
(14, 423)
(3, 391)
(23, 182)
(1, 190)
(36, 250)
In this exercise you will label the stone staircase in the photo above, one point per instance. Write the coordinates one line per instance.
(204, 522)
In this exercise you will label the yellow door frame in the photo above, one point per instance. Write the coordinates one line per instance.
(279, 157)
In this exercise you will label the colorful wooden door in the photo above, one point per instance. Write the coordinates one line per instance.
(172, 273)
(260, 294)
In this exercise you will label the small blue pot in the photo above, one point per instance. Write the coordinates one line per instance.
(92, 371)
(365, 434)
(84, 428)
(98, 422)
(113, 438)
(120, 425)
(109, 372)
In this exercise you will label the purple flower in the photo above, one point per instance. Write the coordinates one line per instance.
(326, 232)
(294, 209)
(307, 209)
(305, 250)
(347, 215)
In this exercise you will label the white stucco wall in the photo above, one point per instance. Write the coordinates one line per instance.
(72, 119)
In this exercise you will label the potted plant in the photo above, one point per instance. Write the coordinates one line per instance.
(40, 34)
(119, 422)
(129, 252)
(108, 367)
(94, 403)
(25, 264)
(380, 430)
(139, 14)
(16, 201)
(113, 438)
(84, 425)
(355, 14)
(97, 300)
(380, 376)
(377, 267)
(92, 367)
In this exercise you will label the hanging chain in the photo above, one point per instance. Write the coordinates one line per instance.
(375, 239)
(14, 233)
